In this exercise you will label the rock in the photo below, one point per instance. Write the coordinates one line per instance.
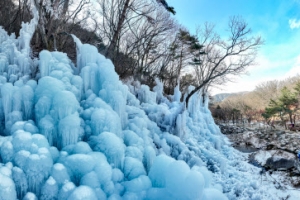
(278, 134)
(293, 149)
(255, 142)
(264, 139)
(281, 160)
(279, 164)
(296, 182)
(274, 159)
(270, 146)
(295, 144)
(260, 157)
(243, 144)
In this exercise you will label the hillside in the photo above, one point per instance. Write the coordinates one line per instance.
(222, 96)
(79, 133)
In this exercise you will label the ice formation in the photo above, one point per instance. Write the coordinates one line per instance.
(82, 134)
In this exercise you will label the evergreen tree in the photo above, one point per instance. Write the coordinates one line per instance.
(167, 7)
(182, 51)
(285, 105)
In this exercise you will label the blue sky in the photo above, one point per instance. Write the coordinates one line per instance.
(277, 21)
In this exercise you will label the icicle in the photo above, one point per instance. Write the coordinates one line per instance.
(48, 129)
(42, 108)
(49, 190)
(17, 99)
(44, 63)
(177, 93)
(112, 146)
(33, 170)
(7, 188)
(60, 174)
(159, 89)
(68, 130)
(27, 32)
(105, 120)
(7, 94)
(3, 63)
(64, 104)
(146, 96)
(19, 178)
(66, 190)
(27, 101)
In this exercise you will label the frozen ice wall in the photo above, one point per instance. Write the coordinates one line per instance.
(16, 68)
(85, 135)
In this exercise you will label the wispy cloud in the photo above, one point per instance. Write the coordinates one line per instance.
(295, 70)
(294, 23)
(266, 70)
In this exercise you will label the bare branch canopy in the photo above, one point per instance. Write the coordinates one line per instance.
(223, 57)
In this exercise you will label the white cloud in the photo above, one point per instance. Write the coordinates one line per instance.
(294, 23)
(266, 70)
(242, 84)
(295, 70)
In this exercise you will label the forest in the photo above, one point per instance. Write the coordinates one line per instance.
(142, 38)
(275, 101)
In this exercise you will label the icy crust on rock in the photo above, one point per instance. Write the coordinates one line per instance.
(84, 135)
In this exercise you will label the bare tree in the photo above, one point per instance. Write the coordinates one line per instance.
(13, 13)
(148, 43)
(53, 17)
(136, 34)
(122, 14)
(116, 17)
(224, 57)
(268, 90)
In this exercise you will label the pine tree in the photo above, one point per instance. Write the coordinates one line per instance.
(285, 105)
(167, 7)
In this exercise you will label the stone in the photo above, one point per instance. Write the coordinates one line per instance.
(281, 160)
(270, 146)
(295, 144)
(296, 182)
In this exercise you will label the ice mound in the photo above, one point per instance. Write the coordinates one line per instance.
(80, 133)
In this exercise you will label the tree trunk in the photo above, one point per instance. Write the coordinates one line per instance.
(194, 91)
(111, 48)
(291, 119)
(41, 24)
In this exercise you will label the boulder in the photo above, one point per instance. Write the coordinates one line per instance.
(274, 159)
(281, 160)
